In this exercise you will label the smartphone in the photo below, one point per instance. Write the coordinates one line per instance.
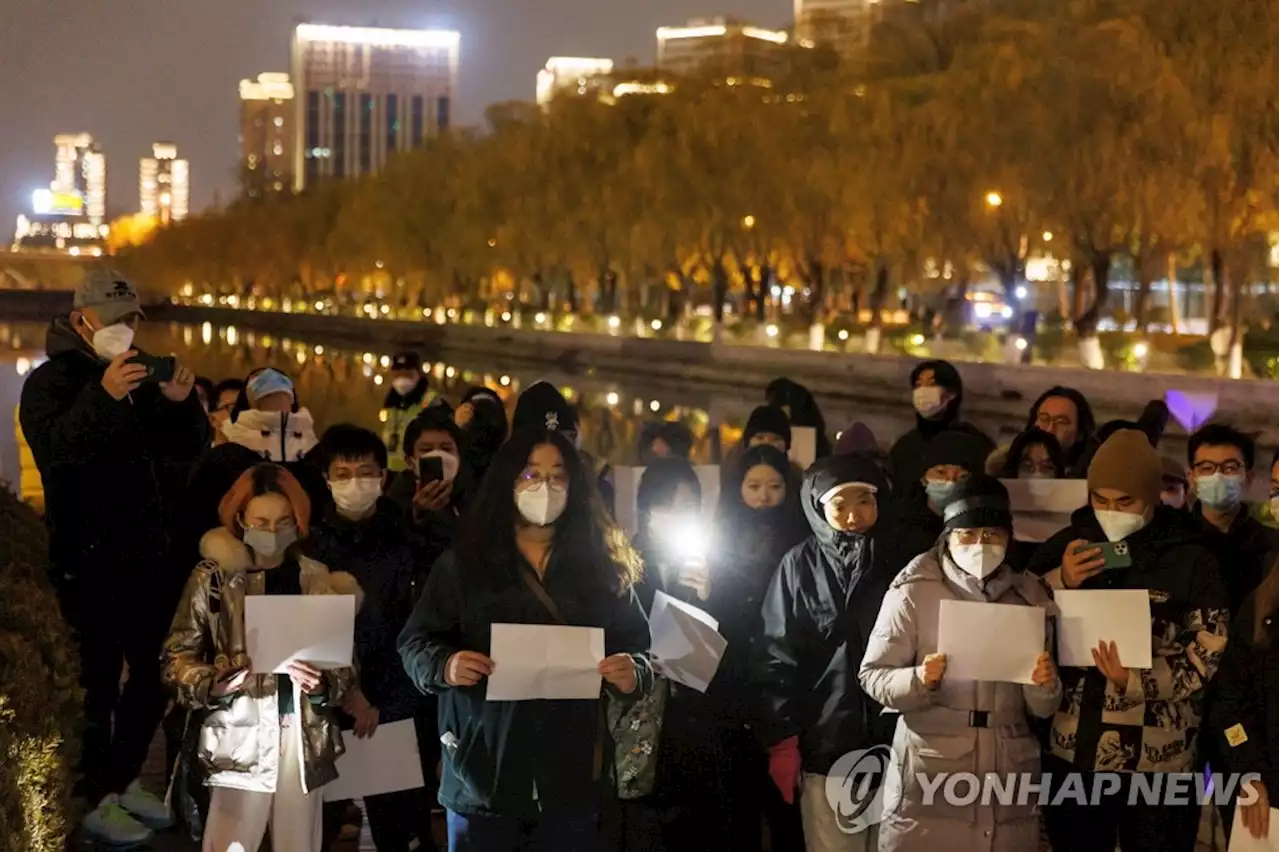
(160, 368)
(1115, 554)
(430, 469)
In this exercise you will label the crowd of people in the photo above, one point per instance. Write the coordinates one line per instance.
(170, 499)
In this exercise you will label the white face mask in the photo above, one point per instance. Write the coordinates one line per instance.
(928, 400)
(403, 386)
(980, 560)
(448, 463)
(542, 505)
(112, 341)
(355, 497)
(1117, 526)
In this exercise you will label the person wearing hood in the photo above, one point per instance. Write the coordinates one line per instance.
(541, 408)
(937, 393)
(482, 417)
(266, 423)
(818, 614)
(801, 409)
(435, 488)
(1118, 719)
(1221, 461)
(758, 521)
(269, 742)
(107, 441)
(406, 398)
(1066, 414)
(950, 458)
(364, 532)
(947, 725)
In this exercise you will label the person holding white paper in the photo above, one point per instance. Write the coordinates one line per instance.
(949, 725)
(269, 742)
(537, 549)
(1118, 719)
(818, 614)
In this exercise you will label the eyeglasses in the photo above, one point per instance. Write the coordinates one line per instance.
(982, 536)
(1045, 420)
(532, 479)
(1230, 467)
(269, 526)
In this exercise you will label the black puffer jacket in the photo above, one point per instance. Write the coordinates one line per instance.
(818, 616)
(111, 470)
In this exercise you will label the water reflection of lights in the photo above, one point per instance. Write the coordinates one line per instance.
(449, 372)
(301, 357)
(368, 371)
(206, 333)
(367, 357)
(231, 335)
(188, 335)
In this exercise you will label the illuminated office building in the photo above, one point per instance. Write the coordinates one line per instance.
(842, 24)
(722, 48)
(574, 75)
(80, 171)
(266, 134)
(363, 93)
(164, 184)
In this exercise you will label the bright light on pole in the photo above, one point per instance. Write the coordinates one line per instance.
(994, 199)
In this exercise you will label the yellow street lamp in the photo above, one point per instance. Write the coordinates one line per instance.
(748, 222)
(1048, 236)
(994, 199)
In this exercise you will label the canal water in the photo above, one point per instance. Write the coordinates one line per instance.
(340, 384)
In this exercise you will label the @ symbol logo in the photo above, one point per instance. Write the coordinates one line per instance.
(856, 784)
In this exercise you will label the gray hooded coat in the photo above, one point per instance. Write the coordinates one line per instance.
(934, 733)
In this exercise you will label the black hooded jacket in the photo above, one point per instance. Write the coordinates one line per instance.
(818, 615)
(1076, 457)
(486, 431)
(802, 409)
(111, 469)
(907, 452)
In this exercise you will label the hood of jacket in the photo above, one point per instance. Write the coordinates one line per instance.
(276, 436)
(829, 472)
(60, 339)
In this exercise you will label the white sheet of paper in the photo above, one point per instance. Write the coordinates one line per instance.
(804, 446)
(281, 629)
(1243, 841)
(1089, 616)
(994, 642)
(387, 762)
(685, 642)
(544, 661)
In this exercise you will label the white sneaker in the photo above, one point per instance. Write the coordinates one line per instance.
(111, 825)
(145, 807)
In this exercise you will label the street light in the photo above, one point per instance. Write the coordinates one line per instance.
(994, 199)
(748, 222)
(1048, 236)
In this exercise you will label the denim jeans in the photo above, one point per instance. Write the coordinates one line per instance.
(557, 830)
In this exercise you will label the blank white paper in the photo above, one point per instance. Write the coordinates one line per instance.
(1243, 841)
(386, 762)
(993, 642)
(1089, 616)
(316, 629)
(685, 642)
(544, 661)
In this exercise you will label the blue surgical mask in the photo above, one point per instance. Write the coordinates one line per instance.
(939, 492)
(1219, 491)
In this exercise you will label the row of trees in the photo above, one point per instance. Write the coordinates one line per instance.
(1133, 131)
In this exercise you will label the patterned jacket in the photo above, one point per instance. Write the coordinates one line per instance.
(1152, 724)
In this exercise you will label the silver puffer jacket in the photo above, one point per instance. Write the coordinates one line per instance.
(240, 738)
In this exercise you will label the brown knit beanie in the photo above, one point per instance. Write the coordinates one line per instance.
(1127, 462)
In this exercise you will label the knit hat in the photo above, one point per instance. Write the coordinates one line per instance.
(768, 418)
(542, 408)
(1128, 463)
(858, 438)
(957, 447)
(979, 501)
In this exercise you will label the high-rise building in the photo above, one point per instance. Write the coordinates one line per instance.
(266, 134)
(363, 94)
(723, 48)
(575, 74)
(80, 171)
(842, 24)
(164, 184)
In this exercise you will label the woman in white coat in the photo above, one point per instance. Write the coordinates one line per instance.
(950, 726)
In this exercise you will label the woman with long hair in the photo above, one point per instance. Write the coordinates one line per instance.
(268, 741)
(537, 549)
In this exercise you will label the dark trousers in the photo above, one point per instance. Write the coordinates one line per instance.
(122, 624)
(553, 830)
(395, 819)
(752, 794)
(1137, 827)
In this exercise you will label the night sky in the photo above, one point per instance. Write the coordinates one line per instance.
(132, 72)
